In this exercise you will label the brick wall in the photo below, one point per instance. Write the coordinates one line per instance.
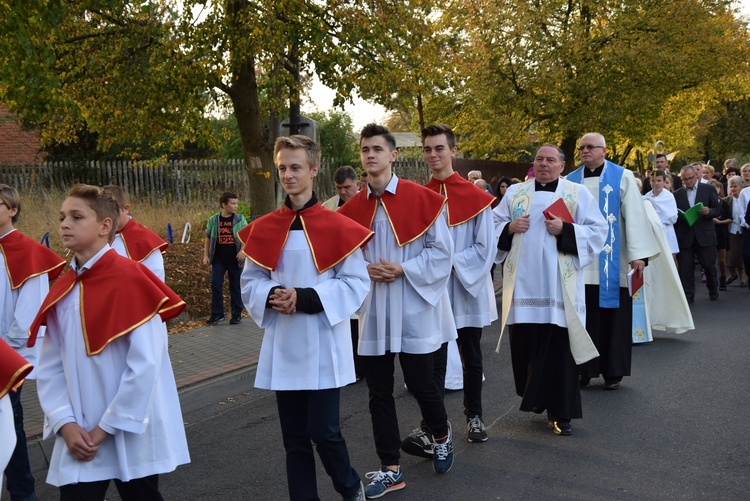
(17, 145)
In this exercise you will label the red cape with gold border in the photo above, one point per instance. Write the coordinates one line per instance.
(331, 236)
(25, 258)
(117, 295)
(465, 201)
(411, 211)
(13, 368)
(140, 241)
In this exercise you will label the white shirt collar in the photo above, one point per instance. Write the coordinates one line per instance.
(11, 231)
(91, 262)
(391, 186)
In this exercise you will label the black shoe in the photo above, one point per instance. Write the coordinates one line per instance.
(732, 279)
(583, 381)
(419, 443)
(612, 384)
(215, 320)
(235, 320)
(713, 297)
(723, 283)
(690, 300)
(560, 427)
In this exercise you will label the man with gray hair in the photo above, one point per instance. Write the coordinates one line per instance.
(629, 245)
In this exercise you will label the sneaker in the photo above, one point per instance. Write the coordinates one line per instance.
(477, 432)
(419, 443)
(215, 320)
(359, 496)
(443, 459)
(383, 482)
(235, 320)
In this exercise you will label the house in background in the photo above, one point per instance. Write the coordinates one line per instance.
(17, 146)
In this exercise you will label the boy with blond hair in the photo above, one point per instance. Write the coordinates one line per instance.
(26, 267)
(105, 381)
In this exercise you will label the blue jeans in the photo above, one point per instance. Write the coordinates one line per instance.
(18, 471)
(218, 270)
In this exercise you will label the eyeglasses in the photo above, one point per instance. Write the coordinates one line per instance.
(585, 147)
(687, 178)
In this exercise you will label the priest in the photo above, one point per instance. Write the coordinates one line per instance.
(543, 301)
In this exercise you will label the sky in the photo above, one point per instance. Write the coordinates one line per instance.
(363, 112)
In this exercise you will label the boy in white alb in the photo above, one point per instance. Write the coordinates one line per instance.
(135, 241)
(13, 369)
(303, 278)
(105, 382)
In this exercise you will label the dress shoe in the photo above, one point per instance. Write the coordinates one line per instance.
(235, 320)
(583, 381)
(561, 428)
(612, 384)
(722, 283)
(690, 300)
(732, 279)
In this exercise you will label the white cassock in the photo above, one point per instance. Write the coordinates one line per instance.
(154, 261)
(470, 288)
(538, 293)
(666, 208)
(305, 351)
(7, 434)
(18, 307)
(413, 314)
(128, 390)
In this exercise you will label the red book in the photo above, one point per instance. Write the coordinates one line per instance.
(559, 209)
(634, 282)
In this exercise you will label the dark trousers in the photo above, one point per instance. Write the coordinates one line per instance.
(218, 270)
(138, 489)
(746, 250)
(308, 416)
(358, 370)
(418, 375)
(470, 348)
(686, 263)
(20, 481)
(611, 331)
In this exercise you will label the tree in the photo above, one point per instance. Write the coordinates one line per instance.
(337, 139)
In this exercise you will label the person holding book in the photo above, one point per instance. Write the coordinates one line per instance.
(544, 297)
(699, 238)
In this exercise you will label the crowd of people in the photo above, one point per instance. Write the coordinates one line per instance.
(385, 269)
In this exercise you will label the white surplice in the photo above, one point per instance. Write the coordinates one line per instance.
(412, 314)
(18, 307)
(538, 294)
(128, 390)
(666, 208)
(305, 351)
(154, 261)
(634, 242)
(7, 433)
(470, 289)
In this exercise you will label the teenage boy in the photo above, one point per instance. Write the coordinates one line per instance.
(223, 251)
(105, 380)
(470, 288)
(13, 368)
(407, 311)
(26, 267)
(304, 277)
(135, 241)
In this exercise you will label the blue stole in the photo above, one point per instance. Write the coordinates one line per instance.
(609, 205)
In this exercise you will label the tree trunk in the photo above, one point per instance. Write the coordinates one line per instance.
(255, 140)
(568, 145)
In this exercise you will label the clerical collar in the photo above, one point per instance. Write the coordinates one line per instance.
(310, 203)
(593, 173)
(551, 186)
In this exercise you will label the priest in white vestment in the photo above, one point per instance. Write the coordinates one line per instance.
(543, 290)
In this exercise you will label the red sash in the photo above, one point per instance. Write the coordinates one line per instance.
(465, 201)
(13, 368)
(25, 259)
(331, 236)
(411, 211)
(140, 241)
(117, 295)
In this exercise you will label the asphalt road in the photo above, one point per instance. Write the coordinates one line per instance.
(677, 429)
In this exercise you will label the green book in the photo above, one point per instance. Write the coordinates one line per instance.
(691, 215)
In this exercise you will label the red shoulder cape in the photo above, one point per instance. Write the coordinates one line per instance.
(465, 201)
(113, 283)
(13, 368)
(411, 211)
(140, 241)
(331, 236)
(25, 258)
